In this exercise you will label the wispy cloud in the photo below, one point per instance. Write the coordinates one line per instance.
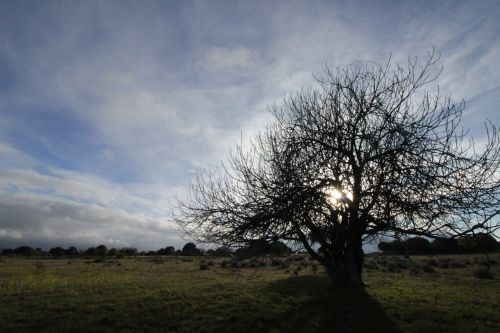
(109, 109)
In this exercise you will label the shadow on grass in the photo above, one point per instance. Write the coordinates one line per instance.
(322, 308)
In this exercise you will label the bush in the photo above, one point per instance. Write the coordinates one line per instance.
(395, 246)
(370, 265)
(458, 264)
(478, 243)
(190, 249)
(445, 246)
(400, 264)
(432, 262)
(428, 269)
(235, 264)
(276, 262)
(382, 262)
(417, 245)
(444, 263)
(203, 266)
(486, 263)
(40, 267)
(483, 273)
(157, 261)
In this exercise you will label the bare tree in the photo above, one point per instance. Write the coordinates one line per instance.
(367, 153)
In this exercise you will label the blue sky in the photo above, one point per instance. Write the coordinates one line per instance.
(108, 108)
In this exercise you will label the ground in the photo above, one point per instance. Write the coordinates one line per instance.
(188, 294)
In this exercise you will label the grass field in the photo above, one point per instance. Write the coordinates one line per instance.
(423, 294)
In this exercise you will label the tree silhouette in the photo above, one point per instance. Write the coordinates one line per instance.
(190, 249)
(368, 153)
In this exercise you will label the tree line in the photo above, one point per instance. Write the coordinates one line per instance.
(419, 245)
(189, 249)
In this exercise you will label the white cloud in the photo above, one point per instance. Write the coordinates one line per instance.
(49, 222)
(225, 58)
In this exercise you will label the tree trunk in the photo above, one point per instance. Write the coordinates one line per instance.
(345, 269)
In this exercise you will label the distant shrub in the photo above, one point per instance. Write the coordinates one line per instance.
(401, 264)
(370, 265)
(483, 273)
(414, 271)
(285, 264)
(276, 262)
(445, 246)
(417, 245)
(485, 262)
(444, 263)
(391, 267)
(432, 262)
(40, 267)
(203, 266)
(99, 260)
(190, 249)
(478, 243)
(395, 246)
(382, 262)
(428, 269)
(157, 261)
(458, 264)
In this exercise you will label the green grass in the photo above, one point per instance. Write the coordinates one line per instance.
(173, 294)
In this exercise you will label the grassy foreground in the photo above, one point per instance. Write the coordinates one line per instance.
(173, 294)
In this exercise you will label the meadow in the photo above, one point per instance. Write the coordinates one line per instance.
(199, 294)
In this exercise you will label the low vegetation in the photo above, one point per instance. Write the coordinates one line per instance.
(265, 294)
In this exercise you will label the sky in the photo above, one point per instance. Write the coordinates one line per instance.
(109, 108)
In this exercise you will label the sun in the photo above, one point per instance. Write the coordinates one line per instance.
(335, 196)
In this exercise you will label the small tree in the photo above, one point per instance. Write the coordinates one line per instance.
(91, 251)
(394, 247)
(128, 251)
(417, 245)
(170, 250)
(445, 246)
(367, 153)
(71, 251)
(223, 251)
(478, 243)
(101, 251)
(190, 249)
(57, 251)
(25, 250)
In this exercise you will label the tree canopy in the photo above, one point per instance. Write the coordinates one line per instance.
(368, 152)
